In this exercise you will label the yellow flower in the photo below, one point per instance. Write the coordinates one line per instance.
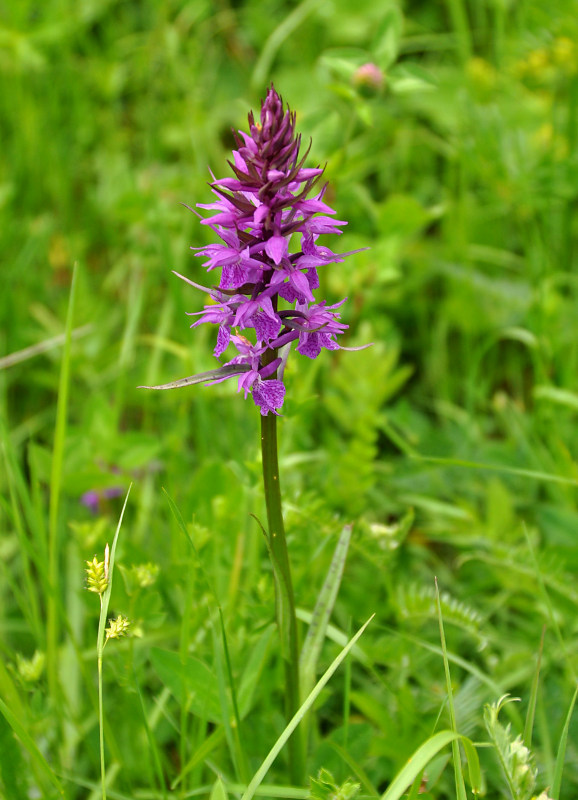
(96, 576)
(117, 627)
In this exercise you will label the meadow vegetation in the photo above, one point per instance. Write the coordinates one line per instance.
(449, 446)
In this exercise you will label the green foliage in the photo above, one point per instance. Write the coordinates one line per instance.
(354, 400)
(323, 787)
(419, 603)
(449, 445)
(515, 758)
(192, 683)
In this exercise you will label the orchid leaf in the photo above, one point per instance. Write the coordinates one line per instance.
(202, 377)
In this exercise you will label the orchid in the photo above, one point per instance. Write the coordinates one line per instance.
(269, 217)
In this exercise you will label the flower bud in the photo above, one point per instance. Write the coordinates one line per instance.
(368, 79)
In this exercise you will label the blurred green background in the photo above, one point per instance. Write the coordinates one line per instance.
(457, 166)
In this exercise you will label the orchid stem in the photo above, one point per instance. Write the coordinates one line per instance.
(284, 596)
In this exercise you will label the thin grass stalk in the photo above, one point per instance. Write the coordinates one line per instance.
(29, 609)
(356, 769)
(52, 604)
(187, 729)
(561, 755)
(101, 639)
(459, 17)
(458, 774)
(347, 693)
(101, 726)
(531, 713)
(239, 749)
(416, 787)
(568, 664)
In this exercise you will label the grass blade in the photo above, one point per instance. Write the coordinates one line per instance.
(30, 607)
(529, 726)
(183, 528)
(416, 786)
(562, 751)
(460, 786)
(418, 762)
(276, 39)
(550, 607)
(52, 604)
(219, 792)
(536, 475)
(40, 763)
(356, 768)
(212, 741)
(13, 772)
(475, 772)
(232, 731)
(322, 612)
(150, 739)
(100, 642)
(42, 347)
(108, 590)
(294, 722)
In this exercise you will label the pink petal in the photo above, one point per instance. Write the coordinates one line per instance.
(276, 248)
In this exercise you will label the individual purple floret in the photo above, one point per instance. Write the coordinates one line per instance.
(268, 217)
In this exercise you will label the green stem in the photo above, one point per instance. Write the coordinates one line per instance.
(284, 597)
(101, 727)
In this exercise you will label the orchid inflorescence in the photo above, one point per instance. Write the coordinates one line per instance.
(267, 282)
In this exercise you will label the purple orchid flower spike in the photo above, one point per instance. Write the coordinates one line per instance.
(268, 217)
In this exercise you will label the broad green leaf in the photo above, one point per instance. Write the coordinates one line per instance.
(191, 682)
(401, 216)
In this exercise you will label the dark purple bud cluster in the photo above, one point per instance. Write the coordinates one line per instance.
(269, 217)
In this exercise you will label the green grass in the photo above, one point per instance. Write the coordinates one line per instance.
(449, 446)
